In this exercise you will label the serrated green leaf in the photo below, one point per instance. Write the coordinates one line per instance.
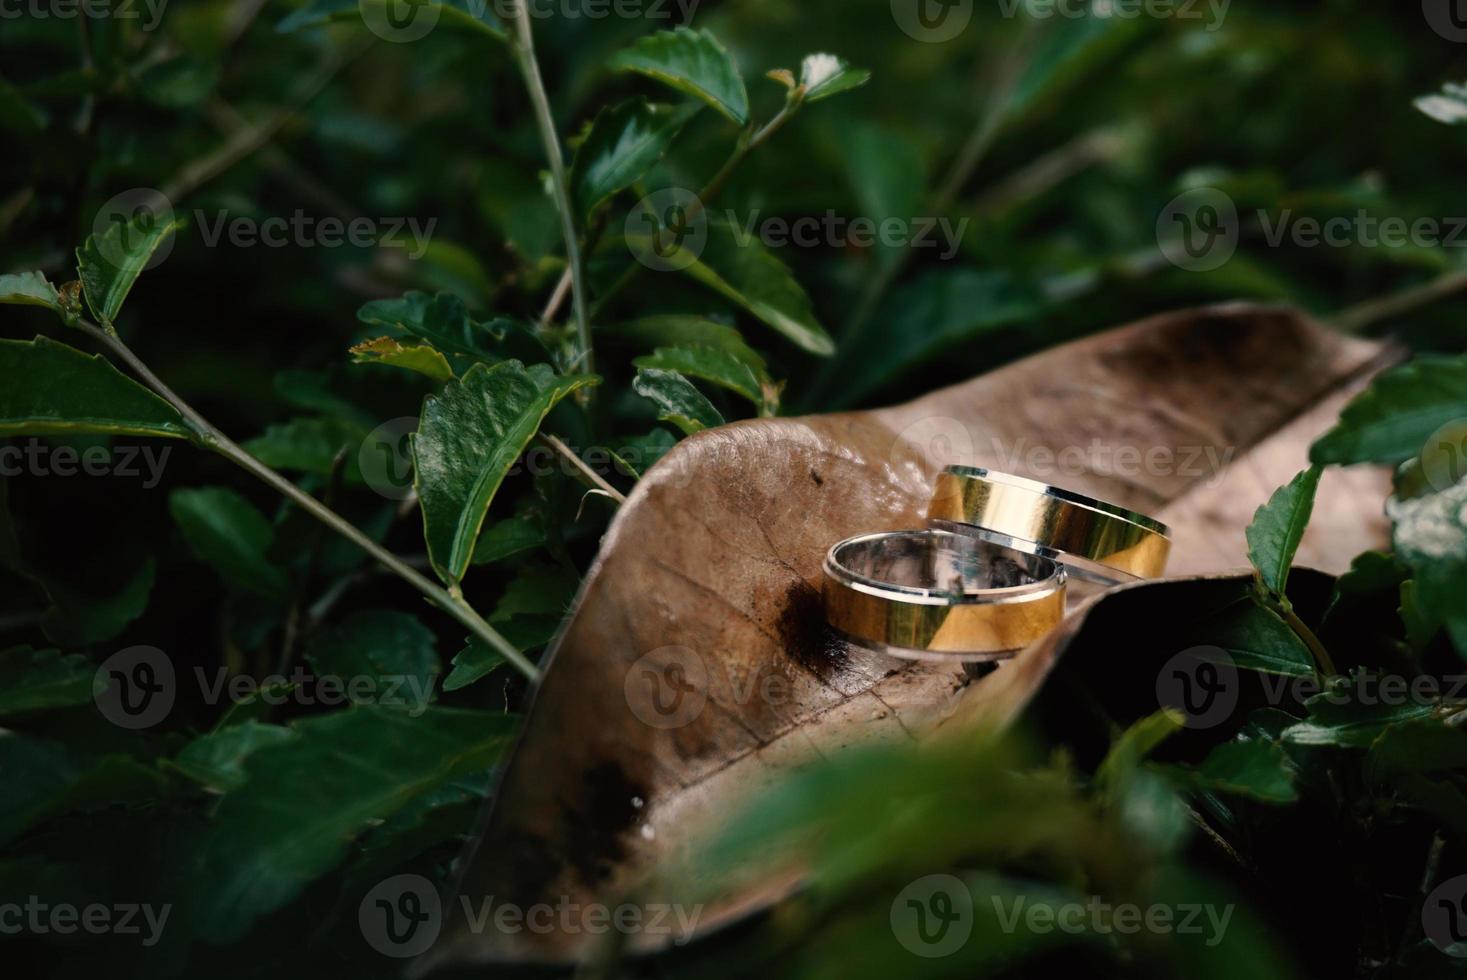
(692, 62)
(443, 321)
(824, 75)
(1416, 747)
(78, 619)
(1255, 637)
(677, 400)
(108, 265)
(53, 389)
(526, 632)
(1255, 767)
(708, 364)
(470, 436)
(216, 760)
(1391, 420)
(1431, 537)
(28, 289)
(34, 680)
(425, 359)
(537, 590)
(1337, 718)
(625, 141)
(309, 446)
(303, 800)
(43, 777)
(393, 649)
(1278, 527)
(743, 271)
(678, 330)
(226, 532)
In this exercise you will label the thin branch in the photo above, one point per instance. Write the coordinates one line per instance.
(1355, 319)
(596, 481)
(524, 49)
(213, 438)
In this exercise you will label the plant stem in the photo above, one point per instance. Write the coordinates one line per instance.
(741, 153)
(212, 438)
(523, 43)
(1321, 656)
(589, 476)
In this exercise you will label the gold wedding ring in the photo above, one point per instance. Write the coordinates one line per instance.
(937, 594)
(1095, 540)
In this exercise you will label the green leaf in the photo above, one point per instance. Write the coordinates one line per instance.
(625, 141)
(1338, 718)
(638, 454)
(309, 446)
(470, 436)
(53, 389)
(1391, 420)
(34, 680)
(78, 619)
(476, 661)
(28, 289)
(43, 777)
(937, 311)
(693, 62)
(824, 75)
(303, 801)
(709, 364)
(677, 400)
(1256, 767)
(216, 760)
(444, 323)
(109, 264)
(1371, 574)
(507, 538)
(1278, 527)
(1133, 746)
(393, 649)
(1431, 537)
(537, 590)
(226, 532)
(1417, 747)
(425, 359)
(678, 330)
(743, 271)
(1255, 637)
(471, 16)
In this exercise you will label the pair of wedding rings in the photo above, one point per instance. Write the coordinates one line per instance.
(989, 574)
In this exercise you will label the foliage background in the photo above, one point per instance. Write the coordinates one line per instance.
(1286, 105)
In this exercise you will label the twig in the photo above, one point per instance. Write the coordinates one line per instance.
(591, 476)
(523, 43)
(212, 438)
(1354, 319)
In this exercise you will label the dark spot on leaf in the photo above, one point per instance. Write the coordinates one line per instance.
(610, 804)
(808, 639)
(819, 480)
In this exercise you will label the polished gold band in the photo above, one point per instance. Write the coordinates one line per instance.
(1093, 539)
(939, 595)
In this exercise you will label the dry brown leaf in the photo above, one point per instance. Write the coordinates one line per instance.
(708, 581)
